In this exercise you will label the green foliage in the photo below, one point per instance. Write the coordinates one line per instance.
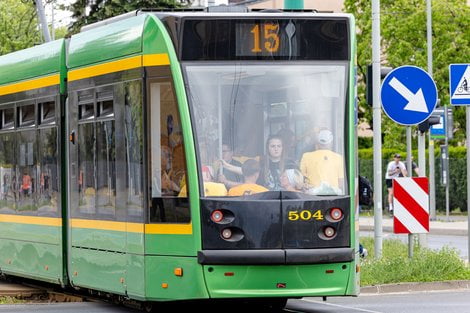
(103, 9)
(365, 142)
(10, 300)
(457, 174)
(403, 31)
(395, 266)
(18, 26)
(387, 153)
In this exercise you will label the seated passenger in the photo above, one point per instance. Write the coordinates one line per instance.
(289, 141)
(250, 170)
(292, 180)
(323, 168)
(211, 188)
(271, 165)
(227, 177)
(169, 184)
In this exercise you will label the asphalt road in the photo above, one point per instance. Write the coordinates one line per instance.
(434, 241)
(423, 302)
(67, 307)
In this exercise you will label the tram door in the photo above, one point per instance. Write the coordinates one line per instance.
(170, 230)
(97, 215)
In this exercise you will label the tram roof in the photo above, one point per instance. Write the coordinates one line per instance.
(33, 62)
(125, 35)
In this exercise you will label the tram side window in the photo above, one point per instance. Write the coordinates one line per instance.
(133, 172)
(96, 154)
(167, 179)
(7, 119)
(8, 174)
(26, 116)
(48, 184)
(27, 172)
(105, 157)
(28, 156)
(47, 112)
(86, 154)
(48, 196)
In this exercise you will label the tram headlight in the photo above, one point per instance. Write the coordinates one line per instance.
(336, 214)
(226, 233)
(217, 216)
(329, 232)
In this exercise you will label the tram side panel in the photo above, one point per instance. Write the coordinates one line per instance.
(30, 166)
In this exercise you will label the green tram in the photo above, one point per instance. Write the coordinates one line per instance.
(172, 155)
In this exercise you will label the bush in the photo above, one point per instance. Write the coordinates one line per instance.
(425, 266)
(457, 174)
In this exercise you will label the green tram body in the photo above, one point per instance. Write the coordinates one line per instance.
(62, 105)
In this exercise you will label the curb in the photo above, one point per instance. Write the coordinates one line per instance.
(435, 231)
(416, 287)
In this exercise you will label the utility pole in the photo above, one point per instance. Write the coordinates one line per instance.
(377, 120)
(43, 21)
(423, 242)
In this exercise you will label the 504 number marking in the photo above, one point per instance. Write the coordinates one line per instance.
(305, 215)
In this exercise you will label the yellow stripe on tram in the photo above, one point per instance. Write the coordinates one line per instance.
(31, 220)
(162, 229)
(167, 229)
(105, 68)
(156, 59)
(30, 84)
(119, 65)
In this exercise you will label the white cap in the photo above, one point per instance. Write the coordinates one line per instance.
(325, 137)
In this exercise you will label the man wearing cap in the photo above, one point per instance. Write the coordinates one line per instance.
(395, 168)
(323, 165)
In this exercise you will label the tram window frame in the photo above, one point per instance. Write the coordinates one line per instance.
(91, 114)
(86, 111)
(31, 121)
(105, 103)
(86, 106)
(163, 208)
(10, 125)
(47, 112)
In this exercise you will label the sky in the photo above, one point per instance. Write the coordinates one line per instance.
(61, 18)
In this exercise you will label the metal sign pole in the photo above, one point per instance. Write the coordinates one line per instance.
(467, 110)
(409, 165)
(422, 238)
(459, 94)
(446, 160)
(377, 119)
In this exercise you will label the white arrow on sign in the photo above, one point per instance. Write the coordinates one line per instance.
(416, 101)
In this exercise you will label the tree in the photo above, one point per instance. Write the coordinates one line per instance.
(18, 26)
(403, 32)
(90, 11)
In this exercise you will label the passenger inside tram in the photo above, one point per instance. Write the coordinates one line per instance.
(251, 171)
(211, 188)
(229, 178)
(323, 168)
(275, 121)
(293, 180)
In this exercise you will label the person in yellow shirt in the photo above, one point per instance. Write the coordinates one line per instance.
(250, 170)
(323, 166)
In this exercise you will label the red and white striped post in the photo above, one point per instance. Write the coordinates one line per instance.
(410, 205)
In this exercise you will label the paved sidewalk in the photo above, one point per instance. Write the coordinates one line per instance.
(417, 287)
(457, 225)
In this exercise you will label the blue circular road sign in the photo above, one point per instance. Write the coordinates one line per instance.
(408, 95)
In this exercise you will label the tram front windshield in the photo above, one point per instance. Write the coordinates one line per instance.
(269, 127)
